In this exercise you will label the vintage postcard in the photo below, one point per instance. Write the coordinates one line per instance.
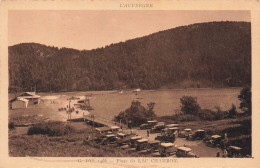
(129, 83)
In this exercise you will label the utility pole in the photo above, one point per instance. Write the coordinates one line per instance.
(93, 127)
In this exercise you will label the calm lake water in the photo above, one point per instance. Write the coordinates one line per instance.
(107, 104)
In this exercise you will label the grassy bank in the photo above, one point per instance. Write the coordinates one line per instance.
(69, 144)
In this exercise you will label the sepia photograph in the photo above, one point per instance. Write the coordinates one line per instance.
(129, 83)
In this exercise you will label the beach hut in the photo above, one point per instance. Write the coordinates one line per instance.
(31, 96)
(19, 103)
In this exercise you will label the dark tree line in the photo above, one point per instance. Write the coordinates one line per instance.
(216, 52)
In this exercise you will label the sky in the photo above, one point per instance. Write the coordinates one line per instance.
(89, 29)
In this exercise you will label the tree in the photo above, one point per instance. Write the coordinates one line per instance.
(137, 114)
(150, 112)
(245, 98)
(233, 111)
(189, 105)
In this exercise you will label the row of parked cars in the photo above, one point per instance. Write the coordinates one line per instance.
(170, 132)
(212, 141)
(158, 147)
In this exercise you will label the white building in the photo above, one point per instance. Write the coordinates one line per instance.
(19, 103)
(31, 96)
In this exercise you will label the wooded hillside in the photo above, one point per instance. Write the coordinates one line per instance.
(215, 54)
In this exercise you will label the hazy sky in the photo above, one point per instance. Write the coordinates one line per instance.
(93, 29)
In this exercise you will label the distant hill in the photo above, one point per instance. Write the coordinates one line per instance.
(215, 54)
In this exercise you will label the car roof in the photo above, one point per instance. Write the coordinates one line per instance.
(154, 141)
(200, 130)
(142, 140)
(235, 147)
(152, 121)
(114, 127)
(144, 124)
(136, 137)
(184, 148)
(215, 136)
(161, 123)
(167, 144)
(172, 125)
(103, 128)
(121, 134)
(173, 128)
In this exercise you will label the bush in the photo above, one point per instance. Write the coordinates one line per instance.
(11, 125)
(189, 105)
(206, 114)
(233, 111)
(184, 117)
(51, 128)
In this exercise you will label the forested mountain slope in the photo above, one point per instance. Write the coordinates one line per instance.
(216, 52)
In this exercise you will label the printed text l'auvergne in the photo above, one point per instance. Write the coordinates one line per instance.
(136, 5)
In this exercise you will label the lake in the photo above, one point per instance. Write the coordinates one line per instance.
(107, 104)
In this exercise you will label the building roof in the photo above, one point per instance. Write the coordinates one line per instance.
(22, 99)
(29, 95)
(19, 99)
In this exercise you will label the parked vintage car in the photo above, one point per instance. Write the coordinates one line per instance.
(161, 123)
(214, 141)
(167, 149)
(171, 130)
(158, 127)
(141, 144)
(103, 130)
(109, 139)
(166, 137)
(185, 152)
(132, 142)
(197, 135)
(172, 125)
(153, 146)
(121, 135)
(184, 133)
(234, 152)
(125, 140)
(148, 125)
(115, 128)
